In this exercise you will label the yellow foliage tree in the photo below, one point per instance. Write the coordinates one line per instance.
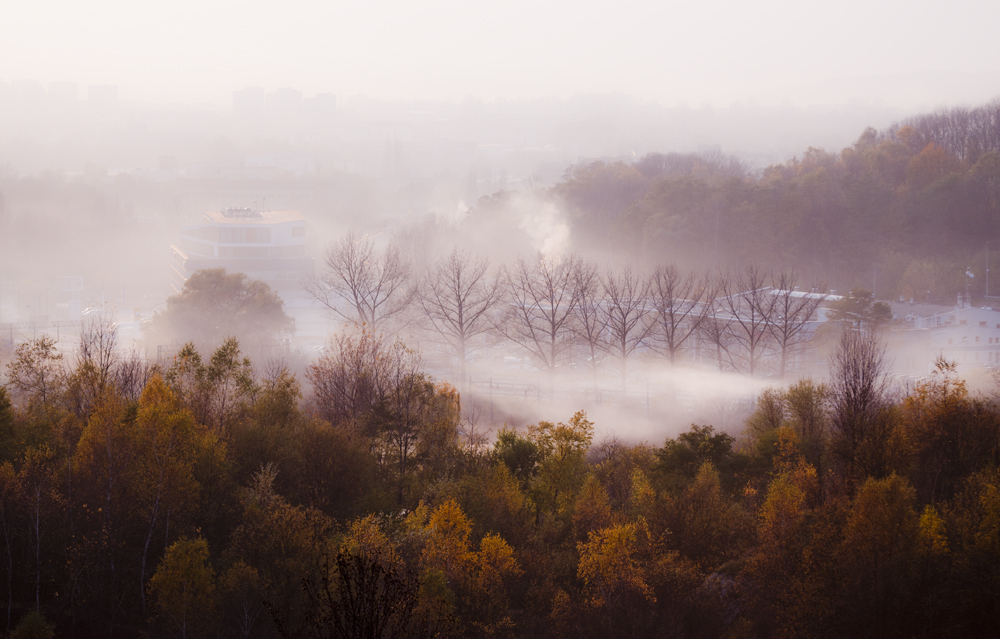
(611, 566)
(184, 587)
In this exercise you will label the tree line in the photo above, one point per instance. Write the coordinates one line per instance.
(563, 310)
(903, 212)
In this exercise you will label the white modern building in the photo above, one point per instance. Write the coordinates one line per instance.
(266, 245)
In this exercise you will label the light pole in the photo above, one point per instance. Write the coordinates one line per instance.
(31, 318)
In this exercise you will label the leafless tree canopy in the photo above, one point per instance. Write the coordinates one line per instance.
(590, 319)
(714, 331)
(861, 416)
(629, 319)
(357, 372)
(542, 298)
(361, 283)
(790, 315)
(457, 298)
(104, 367)
(680, 301)
(747, 300)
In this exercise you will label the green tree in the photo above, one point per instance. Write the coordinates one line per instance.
(33, 626)
(680, 459)
(214, 305)
(858, 310)
(184, 587)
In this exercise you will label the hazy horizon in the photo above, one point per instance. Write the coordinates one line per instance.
(907, 56)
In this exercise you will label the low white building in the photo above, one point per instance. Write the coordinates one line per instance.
(966, 335)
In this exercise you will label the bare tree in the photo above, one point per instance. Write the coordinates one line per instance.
(457, 297)
(747, 299)
(629, 319)
(681, 305)
(348, 379)
(132, 374)
(590, 321)
(363, 284)
(716, 331)
(542, 299)
(861, 418)
(97, 365)
(791, 312)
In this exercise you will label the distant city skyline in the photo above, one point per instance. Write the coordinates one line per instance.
(910, 55)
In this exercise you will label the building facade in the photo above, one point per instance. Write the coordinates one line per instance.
(265, 245)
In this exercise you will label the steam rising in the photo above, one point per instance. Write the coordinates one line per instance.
(546, 225)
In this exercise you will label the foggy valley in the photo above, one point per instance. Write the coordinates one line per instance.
(433, 321)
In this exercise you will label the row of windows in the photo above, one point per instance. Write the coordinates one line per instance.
(261, 252)
(992, 340)
(237, 235)
(196, 248)
(242, 235)
(209, 233)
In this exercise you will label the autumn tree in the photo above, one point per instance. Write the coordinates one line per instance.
(241, 594)
(36, 373)
(214, 305)
(41, 502)
(705, 525)
(879, 543)
(562, 468)
(951, 434)
(681, 458)
(283, 544)
(168, 441)
(184, 587)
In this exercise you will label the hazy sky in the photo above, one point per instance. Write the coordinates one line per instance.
(906, 54)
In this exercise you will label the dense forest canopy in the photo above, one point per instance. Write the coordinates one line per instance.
(209, 496)
(904, 211)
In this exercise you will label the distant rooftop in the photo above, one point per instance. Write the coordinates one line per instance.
(235, 215)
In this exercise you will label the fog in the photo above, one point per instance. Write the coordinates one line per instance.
(438, 127)
(903, 54)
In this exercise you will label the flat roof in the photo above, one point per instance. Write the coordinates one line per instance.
(244, 216)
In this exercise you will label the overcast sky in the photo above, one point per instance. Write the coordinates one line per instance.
(908, 54)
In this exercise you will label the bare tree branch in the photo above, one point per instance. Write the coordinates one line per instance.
(790, 317)
(629, 319)
(542, 299)
(362, 284)
(457, 298)
(747, 299)
(591, 321)
(680, 302)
